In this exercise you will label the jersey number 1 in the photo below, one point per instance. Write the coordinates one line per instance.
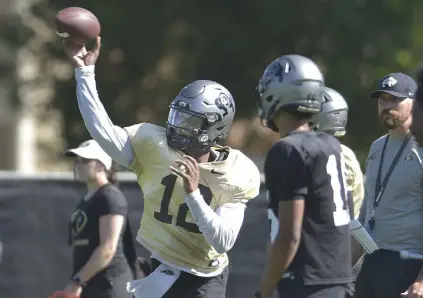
(164, 216)
(341, 215)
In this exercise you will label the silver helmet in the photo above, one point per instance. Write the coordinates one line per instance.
(293, 83)
(334, 115)
(200, 116)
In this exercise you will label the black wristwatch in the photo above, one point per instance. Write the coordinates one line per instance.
(257, 295)
(76, 280)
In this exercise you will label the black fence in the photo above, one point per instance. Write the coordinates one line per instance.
(33, 234)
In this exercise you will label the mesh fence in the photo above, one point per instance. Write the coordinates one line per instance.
(36, 257)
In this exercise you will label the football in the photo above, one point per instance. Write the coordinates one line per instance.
(77, 23)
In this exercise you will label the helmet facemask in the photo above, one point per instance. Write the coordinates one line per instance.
(264, 119)
(189, 131)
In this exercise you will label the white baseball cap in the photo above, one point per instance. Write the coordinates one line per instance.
(91, 150)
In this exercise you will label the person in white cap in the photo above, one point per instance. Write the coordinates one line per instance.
(92, 164)
(97, 227)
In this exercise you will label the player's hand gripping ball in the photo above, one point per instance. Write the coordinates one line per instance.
(78, 24)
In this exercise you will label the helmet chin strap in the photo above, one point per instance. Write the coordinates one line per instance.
(197, 146)
(195, 153)
(270, 124)
(313, 126)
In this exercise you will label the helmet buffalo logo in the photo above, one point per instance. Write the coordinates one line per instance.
(224, 102)
(273, 72)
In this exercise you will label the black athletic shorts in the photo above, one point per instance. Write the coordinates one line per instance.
(192, 286)
(292, 288)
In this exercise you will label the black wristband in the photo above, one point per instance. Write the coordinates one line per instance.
(76, 280)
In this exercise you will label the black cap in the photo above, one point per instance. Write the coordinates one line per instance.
(397, 84)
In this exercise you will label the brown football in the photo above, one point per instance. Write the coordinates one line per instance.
(77, 23)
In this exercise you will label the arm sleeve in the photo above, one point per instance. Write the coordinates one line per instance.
(110, 202)
(113, 139)
(285, 173)
(220, 228)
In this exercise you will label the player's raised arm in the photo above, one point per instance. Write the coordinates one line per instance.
(113, 139)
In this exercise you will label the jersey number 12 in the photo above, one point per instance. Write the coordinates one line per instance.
(341, 215)
(164, 216)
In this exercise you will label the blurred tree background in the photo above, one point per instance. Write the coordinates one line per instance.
(151, 49)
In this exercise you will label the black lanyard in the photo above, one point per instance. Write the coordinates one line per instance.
(380, 187)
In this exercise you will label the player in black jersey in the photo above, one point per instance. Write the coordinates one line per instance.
(310, 253)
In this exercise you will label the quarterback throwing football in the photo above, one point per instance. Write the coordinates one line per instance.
(194, 190)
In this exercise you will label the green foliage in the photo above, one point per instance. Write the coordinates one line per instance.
(151, 49)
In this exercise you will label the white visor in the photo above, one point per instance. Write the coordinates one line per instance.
(91, 150)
